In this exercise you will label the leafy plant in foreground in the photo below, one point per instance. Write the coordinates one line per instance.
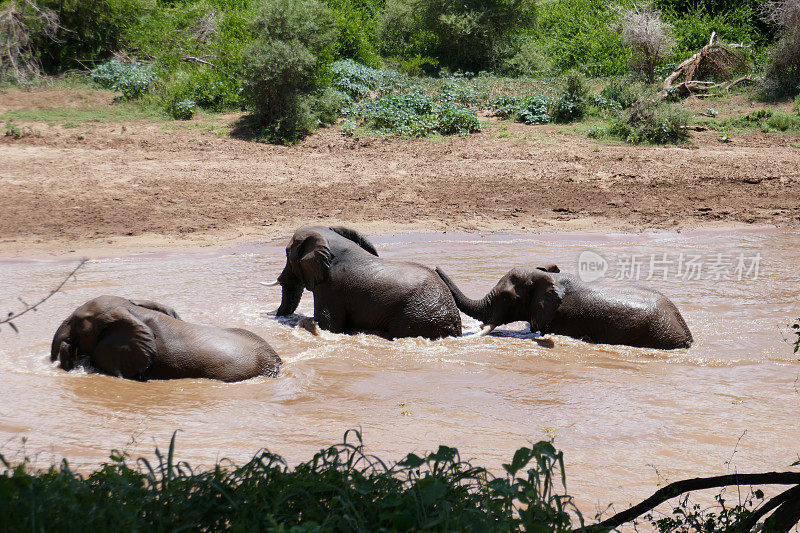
(341, 488)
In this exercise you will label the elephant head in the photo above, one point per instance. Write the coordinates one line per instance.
(109, 334)
(525, 294)
(309, 256)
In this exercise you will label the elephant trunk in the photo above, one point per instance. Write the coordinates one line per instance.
(64, 347)
(477, 309)
(291, 292)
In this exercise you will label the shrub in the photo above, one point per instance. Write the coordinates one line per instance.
(623, 92)
(93, 31)
(571, 105)
(359, 80)
(415, 114)
(647, 122)
(782, 72)
(132, 79)
(24, 28)
(534, 109)
(460, 35)
(526, 57)
(648, 36)
(692, 28)
(580, 34)
(356, 21)
(283, 67)
(797, 104)
(457, 120)
(183, 109)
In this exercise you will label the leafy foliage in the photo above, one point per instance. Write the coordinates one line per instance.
(647, 122)
(92, 31)
(131, 79)
(690, 516)
(359, 80)
(415, 114)
(540, 108)
(459, 35)
(580, 34)
(782, 72)
(285, 66)
(340, 489)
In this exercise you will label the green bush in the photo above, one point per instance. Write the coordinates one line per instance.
(693, 28)
(456, 120)
(525, 57)
(183, 109)
(533, 109)
(461, 36)
(797, 105)
(93, 31)
(340, 489)
(622, 91)
(359, 80)
(649, 123)
(356, 21)
(782, 69)
(132, 79)
(580, 34)
(415, 114)
(285, 67)
(571, 105)
(197, 49)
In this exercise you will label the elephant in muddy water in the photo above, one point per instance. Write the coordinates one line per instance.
(143, 340)
(553, 302)
(357, 291)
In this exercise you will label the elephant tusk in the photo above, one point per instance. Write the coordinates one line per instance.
(487, 328)
(273, 284)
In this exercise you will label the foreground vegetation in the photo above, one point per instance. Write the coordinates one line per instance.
(342, 488)
(407, 67)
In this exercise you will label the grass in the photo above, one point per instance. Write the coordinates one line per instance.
(71, 117)
(340, 489)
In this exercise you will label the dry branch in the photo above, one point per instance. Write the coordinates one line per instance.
(20, 21)
(28, 307)
(713, 59)
(688, 485)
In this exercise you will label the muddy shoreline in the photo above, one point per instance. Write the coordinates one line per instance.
(148, 185)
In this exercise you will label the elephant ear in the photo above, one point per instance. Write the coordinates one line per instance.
(552, 267)
(149, 304)
(546, 299)
(356, 237)
(126, 346)
(315, 261)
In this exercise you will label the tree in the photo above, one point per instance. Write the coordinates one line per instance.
(648, 36)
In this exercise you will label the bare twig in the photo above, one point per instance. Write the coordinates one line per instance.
(21, 21)
(28, 307)
(199, 60)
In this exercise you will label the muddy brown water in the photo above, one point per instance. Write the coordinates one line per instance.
(626, 418)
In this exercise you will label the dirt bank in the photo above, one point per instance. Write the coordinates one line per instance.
(147, 183)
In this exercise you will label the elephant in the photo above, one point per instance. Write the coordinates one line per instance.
(142, 340)
(357, 291)
(554, 302)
